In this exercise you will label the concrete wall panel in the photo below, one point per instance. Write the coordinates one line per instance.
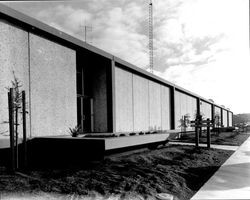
(141, 103)
(230, 118)
(191, 109)
(53, 87)
(165, 107)
(189, 106)
(177, 109)
(224, 112)
(184, 105)
(217, 112)
(206, 110)
(123, 99)
(194, 108)
(154, 106)
(13, 58)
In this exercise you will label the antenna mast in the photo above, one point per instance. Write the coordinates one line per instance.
(85, 31)
(150, 36)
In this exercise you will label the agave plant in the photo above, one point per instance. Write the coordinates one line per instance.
(74, 132)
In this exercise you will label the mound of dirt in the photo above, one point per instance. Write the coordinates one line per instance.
(175, 169)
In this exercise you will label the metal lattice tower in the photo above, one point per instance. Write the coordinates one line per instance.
(150, 36)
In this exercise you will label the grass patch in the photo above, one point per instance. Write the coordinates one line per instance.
(178, 170)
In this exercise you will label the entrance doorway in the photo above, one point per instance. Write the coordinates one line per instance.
(85, 115)
(94, 92)
(84, 102)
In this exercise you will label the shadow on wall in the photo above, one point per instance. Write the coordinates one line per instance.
(221, 180)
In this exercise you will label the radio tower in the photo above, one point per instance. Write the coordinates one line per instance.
(150, 36)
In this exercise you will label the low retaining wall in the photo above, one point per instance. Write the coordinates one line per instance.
(68, 150)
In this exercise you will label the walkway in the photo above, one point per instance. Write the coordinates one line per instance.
(232, 180)
(224, 147)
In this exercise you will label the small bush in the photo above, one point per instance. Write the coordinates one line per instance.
(74, 132)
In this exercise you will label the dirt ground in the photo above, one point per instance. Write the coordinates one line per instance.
(224, 138)
(175, 169)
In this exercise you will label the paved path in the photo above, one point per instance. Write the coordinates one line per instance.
(225, 147)
(232, 180)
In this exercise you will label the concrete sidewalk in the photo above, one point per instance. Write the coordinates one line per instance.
(215, 146)
(232, 180)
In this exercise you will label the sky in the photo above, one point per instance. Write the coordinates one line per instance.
(200, 45)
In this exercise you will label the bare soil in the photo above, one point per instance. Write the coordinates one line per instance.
(224, 138)
(176, 169)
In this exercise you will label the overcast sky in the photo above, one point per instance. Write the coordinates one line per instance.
(201, 45)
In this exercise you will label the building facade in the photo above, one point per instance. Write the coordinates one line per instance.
(69, 83)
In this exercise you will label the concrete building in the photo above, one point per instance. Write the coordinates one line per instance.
(69, 82)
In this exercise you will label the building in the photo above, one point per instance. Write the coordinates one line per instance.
(69, 82)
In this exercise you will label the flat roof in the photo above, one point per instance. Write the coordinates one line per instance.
(34, 25)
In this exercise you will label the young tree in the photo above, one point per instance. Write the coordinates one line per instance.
(184, 124)
(217, 122)
(16, 85)
(199, 117)
(17, 104)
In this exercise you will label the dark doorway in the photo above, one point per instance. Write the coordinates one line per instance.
(94, 97)
(83, 101)
(85, 113)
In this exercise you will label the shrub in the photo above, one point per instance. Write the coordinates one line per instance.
(74, 132)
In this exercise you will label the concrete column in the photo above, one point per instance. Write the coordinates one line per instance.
(221, 117)
(198, 107)
(232, 118)
(213, 114)
(109, 83)
(113, 117)
(172, 108)
(198, 114)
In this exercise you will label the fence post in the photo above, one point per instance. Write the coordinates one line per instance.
(208, 133)
(11, 129)
(24, 130)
